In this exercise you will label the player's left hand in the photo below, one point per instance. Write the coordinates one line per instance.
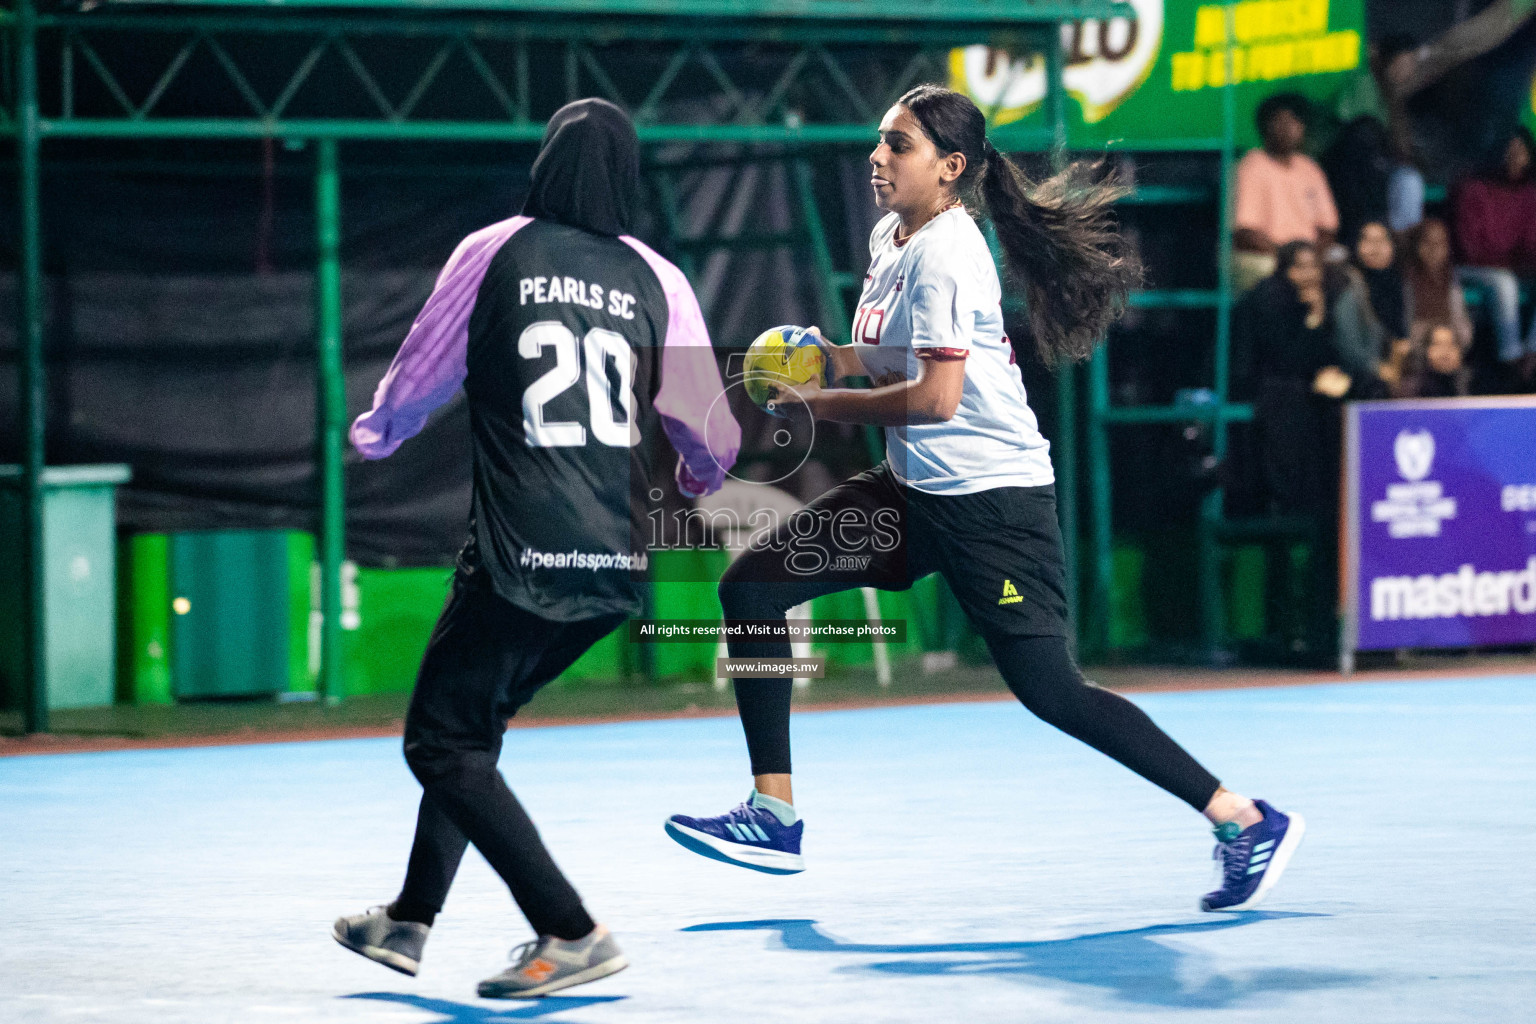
(806, 393)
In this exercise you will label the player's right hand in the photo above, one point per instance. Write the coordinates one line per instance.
(842, 361)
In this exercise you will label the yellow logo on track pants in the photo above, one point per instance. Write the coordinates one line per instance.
(1010, 593)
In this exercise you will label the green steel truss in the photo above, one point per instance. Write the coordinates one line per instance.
(784, 11)
(796, 74)
(1006, 12)
(482, 78)
(1218, 415)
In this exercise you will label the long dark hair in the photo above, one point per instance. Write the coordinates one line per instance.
(1286, 256)
(1495, 166)
(1058, 236)
(1431, 288)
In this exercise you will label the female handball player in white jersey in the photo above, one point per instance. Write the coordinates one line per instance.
(966, 489)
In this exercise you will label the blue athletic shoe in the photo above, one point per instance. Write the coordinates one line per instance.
(748, 836)
(1252, 860)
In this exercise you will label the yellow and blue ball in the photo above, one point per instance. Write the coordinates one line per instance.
(782, 356)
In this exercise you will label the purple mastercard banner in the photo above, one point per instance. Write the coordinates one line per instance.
(1439, 539)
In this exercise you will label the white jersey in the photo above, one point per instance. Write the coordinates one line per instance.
(938, 293)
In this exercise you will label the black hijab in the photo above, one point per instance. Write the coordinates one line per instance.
(1384, 287)
(1272, 323)
(587, 173)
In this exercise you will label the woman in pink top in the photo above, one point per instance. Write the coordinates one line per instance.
(1495, 224)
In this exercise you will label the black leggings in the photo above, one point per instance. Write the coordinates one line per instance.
(1041, 673)
(958, 538)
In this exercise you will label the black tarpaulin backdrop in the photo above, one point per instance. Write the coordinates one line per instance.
(181, 340)
(180, 327)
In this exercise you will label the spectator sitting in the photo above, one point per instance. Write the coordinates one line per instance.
(1495, 219)
(1375, 257)
(1434, 368)
(1365, 302)
(1431, 290)
(1444, 375)
(1282, 195)
(1284, 326)
(1355, 339)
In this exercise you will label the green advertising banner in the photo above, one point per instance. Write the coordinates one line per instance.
(1159, 75)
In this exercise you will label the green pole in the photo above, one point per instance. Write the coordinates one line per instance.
(1101, 510)
(1101, 567)
(834, 318)
(834, 315)
(1056, 96)
(34, 383)
(671, 215)
(1211, 508)
(1066, 375)
(331, 402)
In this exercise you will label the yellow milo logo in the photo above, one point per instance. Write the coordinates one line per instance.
(1106, 61)
(1010, 593)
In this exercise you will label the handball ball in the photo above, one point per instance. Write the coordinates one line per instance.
(785, 355)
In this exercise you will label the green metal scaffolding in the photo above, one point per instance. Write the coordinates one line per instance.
(587, 47)
(1218, 413)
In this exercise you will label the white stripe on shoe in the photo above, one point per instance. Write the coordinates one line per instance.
(1277, 864)
(769, 860)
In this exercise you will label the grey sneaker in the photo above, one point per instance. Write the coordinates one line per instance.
(548, 964)
(379, 937)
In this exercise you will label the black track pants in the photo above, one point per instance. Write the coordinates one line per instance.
(486, 659)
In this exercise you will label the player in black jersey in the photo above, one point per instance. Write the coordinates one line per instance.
(575, 343)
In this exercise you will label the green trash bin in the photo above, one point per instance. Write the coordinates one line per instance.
(79, 567)
(230, 625)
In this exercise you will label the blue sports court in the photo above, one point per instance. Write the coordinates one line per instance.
(965, 863)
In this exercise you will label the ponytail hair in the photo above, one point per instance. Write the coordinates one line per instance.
(1060, 244)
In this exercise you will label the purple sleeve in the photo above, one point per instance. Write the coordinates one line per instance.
(429, 367)
(696, 420)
